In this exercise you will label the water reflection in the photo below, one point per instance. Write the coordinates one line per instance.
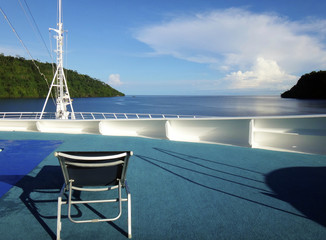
(183, 105)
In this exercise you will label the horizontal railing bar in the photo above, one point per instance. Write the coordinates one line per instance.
(91, 115)
(101, 116)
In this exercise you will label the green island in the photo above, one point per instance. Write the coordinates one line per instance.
(309, 86)
(19, 78)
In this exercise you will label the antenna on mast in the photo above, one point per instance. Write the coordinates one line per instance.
(59, 81)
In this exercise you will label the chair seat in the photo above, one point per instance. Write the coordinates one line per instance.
(94, 171)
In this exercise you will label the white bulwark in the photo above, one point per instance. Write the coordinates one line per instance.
(305, 134)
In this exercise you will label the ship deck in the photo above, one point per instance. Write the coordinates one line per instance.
(179, 190)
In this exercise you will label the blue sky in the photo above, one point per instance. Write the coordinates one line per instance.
(179, 47)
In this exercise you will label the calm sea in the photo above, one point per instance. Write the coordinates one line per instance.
(183, 105)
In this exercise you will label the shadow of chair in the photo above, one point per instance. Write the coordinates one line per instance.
(93, 172)
(45, 183)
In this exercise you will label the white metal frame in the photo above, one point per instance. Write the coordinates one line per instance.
(94, 115)
(59, 80)
(305, 134)
(83, 160)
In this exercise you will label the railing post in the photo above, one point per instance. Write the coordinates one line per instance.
(251, 132)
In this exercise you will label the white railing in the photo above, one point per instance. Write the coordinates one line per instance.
(91, 115)
(305, 133)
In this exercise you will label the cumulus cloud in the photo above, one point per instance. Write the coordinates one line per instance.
(252, 50)
(114, 80)
(265, 74)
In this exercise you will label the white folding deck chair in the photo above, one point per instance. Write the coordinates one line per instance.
(93, 171)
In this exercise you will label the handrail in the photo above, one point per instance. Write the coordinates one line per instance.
(91, 115)
(110, 116)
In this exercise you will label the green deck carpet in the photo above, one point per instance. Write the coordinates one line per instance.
(179, 191)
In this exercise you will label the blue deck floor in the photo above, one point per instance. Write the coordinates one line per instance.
(179, 191)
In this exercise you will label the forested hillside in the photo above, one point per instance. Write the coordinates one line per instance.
(309, 86)
(19, 78)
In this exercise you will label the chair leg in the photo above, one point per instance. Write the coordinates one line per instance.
(59, 217)
(129, 215)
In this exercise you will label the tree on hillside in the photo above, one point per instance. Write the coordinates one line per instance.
(19, 78)
(309, 86)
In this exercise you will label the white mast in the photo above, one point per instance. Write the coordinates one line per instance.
(59, 80)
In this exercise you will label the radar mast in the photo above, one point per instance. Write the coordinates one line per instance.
(59, 82)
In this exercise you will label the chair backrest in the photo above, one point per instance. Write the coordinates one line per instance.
(94, 168)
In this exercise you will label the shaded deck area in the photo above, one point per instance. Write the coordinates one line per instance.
(179, 191)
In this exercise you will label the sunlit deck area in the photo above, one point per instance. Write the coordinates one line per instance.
(179, 190)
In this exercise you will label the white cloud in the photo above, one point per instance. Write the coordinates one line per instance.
(265, 74)
(252, 50)
(114, 80)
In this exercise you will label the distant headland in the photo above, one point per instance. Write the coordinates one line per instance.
(19, 78)
(309, 86)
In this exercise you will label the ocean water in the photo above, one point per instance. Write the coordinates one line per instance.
(182, 105)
